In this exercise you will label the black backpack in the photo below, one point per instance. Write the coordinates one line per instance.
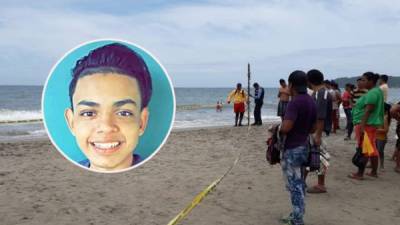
(273, 153)
(314, 160)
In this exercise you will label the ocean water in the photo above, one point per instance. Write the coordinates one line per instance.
(196, 107)
(17, 104)
(20, 109)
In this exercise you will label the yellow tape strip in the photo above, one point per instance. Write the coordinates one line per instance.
(205, 192)
(20, 121)
(195, 202)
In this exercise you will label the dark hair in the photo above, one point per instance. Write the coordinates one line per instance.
(384, 77)
(239, 85)
(387, 108)
(327, 82)
(371, 77)
(315, 77)
(114, 58)
(334, 85)
(282, 81)
(349, 85)
(298, 80)
(256, 85)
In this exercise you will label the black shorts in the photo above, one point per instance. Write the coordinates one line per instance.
(282, 108)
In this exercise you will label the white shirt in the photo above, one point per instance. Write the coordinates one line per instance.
(385, 90)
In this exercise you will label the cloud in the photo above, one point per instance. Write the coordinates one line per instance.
(202, 43)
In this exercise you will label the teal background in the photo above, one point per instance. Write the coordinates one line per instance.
(56, 100)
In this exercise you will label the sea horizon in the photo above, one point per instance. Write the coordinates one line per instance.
(21, 115)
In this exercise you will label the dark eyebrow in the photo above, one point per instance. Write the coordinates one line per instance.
(89, 103)
(124, 102)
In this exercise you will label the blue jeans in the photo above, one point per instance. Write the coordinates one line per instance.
(293, 161)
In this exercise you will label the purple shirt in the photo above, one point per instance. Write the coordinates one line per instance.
(302, 110)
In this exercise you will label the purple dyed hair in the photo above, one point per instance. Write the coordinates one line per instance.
(114, 58)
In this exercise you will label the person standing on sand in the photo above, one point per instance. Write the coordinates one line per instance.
(383, 80)
(381, 136)
(324, 106)
(335, 106)
(347, 102)
(359, 91)
(284, 96)
(239, 97)
(259, 101)
(328, 118)
(396, 151)
(368, 115)
(298, 123)
(395, 113)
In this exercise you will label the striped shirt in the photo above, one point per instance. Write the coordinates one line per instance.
(357, 93)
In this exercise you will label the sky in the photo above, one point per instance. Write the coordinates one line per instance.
(207, 43)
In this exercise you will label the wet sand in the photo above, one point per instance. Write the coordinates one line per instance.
(39, 186)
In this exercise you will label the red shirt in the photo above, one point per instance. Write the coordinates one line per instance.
(347, 100)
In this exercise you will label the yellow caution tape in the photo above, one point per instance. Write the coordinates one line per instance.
(204, 193)
(21, 121)
(195, 202)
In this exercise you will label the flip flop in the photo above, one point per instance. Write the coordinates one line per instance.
(355, 176)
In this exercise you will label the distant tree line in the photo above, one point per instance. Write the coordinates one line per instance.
(342, 81)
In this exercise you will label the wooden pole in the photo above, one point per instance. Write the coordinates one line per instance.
(248, 93)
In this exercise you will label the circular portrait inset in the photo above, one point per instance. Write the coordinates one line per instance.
(108, 105)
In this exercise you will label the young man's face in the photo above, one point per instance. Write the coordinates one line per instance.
(107, 120)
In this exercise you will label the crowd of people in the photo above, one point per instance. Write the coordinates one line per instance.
(309, 107)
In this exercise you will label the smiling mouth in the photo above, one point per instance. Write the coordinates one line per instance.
(106, 147)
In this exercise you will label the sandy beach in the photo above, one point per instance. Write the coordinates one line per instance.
(39, 186)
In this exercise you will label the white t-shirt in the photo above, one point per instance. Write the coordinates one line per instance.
(385, 90)
(333, 93)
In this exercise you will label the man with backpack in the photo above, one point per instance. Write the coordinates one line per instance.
(298, 123)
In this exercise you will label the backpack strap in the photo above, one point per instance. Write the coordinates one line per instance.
(325, 95)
